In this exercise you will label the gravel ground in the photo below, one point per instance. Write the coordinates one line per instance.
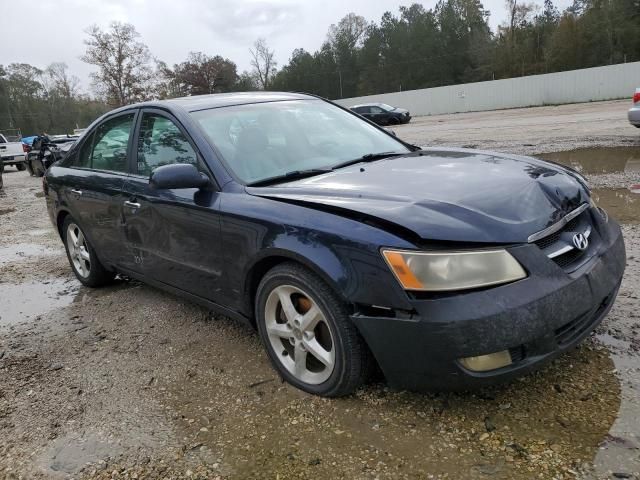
(130, 382)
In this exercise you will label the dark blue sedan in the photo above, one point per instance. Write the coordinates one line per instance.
(342, 245)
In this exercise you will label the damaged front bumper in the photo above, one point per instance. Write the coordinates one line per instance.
(535, 319)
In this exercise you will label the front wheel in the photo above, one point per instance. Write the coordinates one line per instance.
(82, 256)
(307, 333)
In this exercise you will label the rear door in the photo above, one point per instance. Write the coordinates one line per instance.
(172, 236)
(94, 182)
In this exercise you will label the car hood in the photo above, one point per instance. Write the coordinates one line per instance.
(441, 194)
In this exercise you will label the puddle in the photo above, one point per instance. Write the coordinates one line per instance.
(620, 203)
(20, 251)
(599, 160)
(68, 455)
(620, 450)
(25, 301)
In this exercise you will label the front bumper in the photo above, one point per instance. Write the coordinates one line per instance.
(536, 319)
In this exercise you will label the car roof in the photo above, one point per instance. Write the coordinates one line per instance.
(217, 100)
(376, 104)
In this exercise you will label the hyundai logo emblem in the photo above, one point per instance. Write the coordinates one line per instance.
(580, 241)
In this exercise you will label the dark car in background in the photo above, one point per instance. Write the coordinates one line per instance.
(341, 244)
(382, 114)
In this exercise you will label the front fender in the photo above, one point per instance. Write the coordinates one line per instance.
(343, 252)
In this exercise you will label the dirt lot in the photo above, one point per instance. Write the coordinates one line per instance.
(130, 382)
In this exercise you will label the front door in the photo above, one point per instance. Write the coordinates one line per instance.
(172, 236)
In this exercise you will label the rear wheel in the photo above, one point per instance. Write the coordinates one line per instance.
(307, 333)
(82, 256)
(21, 167)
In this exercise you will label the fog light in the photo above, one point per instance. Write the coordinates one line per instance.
(484, 363)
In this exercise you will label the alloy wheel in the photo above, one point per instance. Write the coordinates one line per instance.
(299, 334)
(78, 250)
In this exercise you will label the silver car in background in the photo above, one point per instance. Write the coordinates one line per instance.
(634, 112)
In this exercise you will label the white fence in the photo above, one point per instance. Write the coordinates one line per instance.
(575, 86)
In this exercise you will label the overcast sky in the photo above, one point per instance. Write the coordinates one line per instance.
(39, 32)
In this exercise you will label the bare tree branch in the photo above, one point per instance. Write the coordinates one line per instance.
(263, 63)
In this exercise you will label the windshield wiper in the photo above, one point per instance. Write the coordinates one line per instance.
(292, 175)
(369, 157)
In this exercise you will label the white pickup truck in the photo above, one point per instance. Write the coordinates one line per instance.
(12, 153)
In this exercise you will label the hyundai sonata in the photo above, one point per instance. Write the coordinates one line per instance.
(344, 246)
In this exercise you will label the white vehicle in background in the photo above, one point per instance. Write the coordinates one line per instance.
(634, 112)
(12, 152)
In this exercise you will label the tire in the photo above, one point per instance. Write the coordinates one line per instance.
(30, 168)
(347, 362)
(82, 257)
(394, 121)
(21, 167)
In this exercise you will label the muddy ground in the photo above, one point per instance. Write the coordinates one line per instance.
(130, 382)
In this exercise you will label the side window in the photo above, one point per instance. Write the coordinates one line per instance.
(376, 110)
(162, 143)
(110, 142)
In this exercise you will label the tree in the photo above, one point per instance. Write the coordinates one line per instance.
(246, 82)
(263, 63)
(124, 73)
(344, 40)
(35, 100)
(66, 85)
(201, 74)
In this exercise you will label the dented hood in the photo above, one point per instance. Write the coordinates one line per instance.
(446, 194)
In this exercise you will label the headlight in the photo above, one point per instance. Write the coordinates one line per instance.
(440, 271)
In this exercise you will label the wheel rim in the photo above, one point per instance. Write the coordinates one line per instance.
(78, 250)
(299, 334)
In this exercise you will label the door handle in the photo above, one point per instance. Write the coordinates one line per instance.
(133, 205)
(77, 192)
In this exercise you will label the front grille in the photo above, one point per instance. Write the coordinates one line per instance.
(558, 246)
(567, 259)
(552, 239)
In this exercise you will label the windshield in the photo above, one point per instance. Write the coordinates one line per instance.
(264, 140)
(386, 107)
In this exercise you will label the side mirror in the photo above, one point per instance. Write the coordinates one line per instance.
(177, 175)
(391, 132)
